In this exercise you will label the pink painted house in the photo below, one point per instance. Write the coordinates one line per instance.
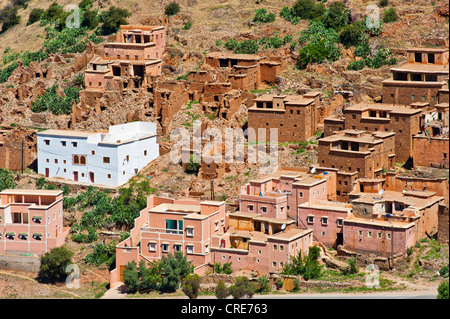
(31, 221)
(279, 194)
(168, 225)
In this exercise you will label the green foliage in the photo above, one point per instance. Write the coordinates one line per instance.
(301, 10)
(362, 49)
(247, 47)
(443, 290)
(221, 291)
(149, 276)
(390, 15)
(9, 17)
(383, 3)
(35, 15)
(131, 277)
(322, 44)
(90, 19)
(112, 19)
(54, 263)
(287, 38)
(443, 272)
(188, 25)
(226, 268)
(336, 16)
(356, 65)
(263, 282)
(352, 267)
(85, 4)
(6, 179)
(279, 283)
(308, 266)
(6, 72)
(193, 166)
(262, 16)
(242, 288)
(191, 286)
(172, 8)
(351, 35)
(54, 103)
(174, 269)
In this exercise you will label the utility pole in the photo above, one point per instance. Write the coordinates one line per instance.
(22, 156)
(212, 190)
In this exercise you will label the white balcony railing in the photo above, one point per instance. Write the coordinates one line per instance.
(162, 230)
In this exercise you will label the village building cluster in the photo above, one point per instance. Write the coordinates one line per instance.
(352, 198)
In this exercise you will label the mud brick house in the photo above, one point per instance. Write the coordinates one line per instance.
(17, 148)
(295, 116)
(260, 242)
(404, 121)
(31, 221)
(109, 159)
(168, 225)
(354, 154)
(423, 78)
(326, 219)
(280, 193)
(431, 150)
(387, 224)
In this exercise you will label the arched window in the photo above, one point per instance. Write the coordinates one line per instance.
(83, 160)
(76, 159)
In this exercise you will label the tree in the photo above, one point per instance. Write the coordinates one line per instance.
(352, 267)
(302, 8)
(172, 9)
(351, 35)
(242, 288)
(443, 290)
(54, 263)
(221, 290)
(262, 16)
(308, 266)
(9, 17)
(390, 15)
(263, 282)
(131, 277)
(35, 15)
(191, 286)
(90, 19)
(6, 179)
(112, 19)
(336, 16)
(174, 268)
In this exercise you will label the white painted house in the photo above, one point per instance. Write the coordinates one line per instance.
(109, 159)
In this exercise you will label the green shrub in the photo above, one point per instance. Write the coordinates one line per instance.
(35, 15)
(351, 35)
(221, 291)
(85, 4)
(90, 19)
(356, 65)
(9, 17)
(362, 49)
(103, 254)
(247, 47)
(54, 103)
(188, 25)
(263, 282)
(191, 286)
(390, 15)
(263, 16)
(172, 9)
(54, 263)
(242, 288)
(131, 277)
(352, 267)
(112, 19)
(6, 179)
(336, 16)
(443, 290)
(308, 266)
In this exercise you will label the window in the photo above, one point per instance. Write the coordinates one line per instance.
(109, 176)
(388, 236)
(189, 249)
(340, 222)
(360, 233)
(281, 247)
(106, 160)
(379, 235)
(165, 248)
(177, 247)
(369, 233)
(152, 247)
(74, 144)
(63, 143)
(324, 220)
(275, 247)
(216, 226)
(323, 233)
(206, 249)
(93, 152)
(47, 142)
(264, 209)
(300, 194)
(189, 231)
(444, 155)
(56, 161)
(145, 152)
(250, 208)
(127, 158)
(310, 219)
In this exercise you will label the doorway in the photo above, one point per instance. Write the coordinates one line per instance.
(75, 176)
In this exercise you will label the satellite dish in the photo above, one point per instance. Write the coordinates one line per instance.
(403, 191)
(313, 170)
(283, 227)
(381, 192)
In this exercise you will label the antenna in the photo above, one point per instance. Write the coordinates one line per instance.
(313, 170)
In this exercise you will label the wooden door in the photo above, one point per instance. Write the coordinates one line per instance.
(75, 176)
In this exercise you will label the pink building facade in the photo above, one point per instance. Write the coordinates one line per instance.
(167, 225)
(31, 221)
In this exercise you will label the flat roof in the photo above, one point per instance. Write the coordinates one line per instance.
(378, 222)
(67, 133)
(393, 108)
(223, 55)
(415, 198)
(422, 67)
(48, 192)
